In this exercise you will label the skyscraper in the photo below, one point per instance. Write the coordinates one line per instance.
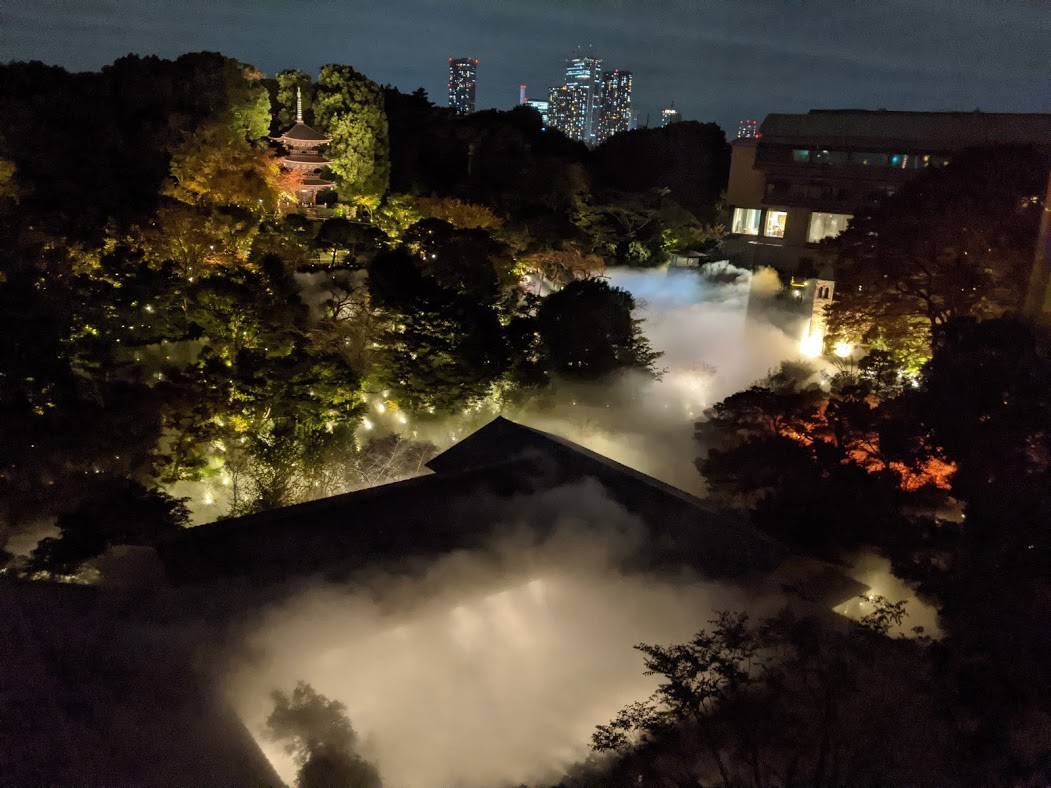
(462, 73)
(584, 72)
(568, 110)
(615, 107)
(747, 129)
(670, 115)
(543, 107)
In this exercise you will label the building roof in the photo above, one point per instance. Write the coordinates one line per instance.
(301, 132)
(314, 182)
(935, 130)
(93, 696)
(307, 158)
(477, 486)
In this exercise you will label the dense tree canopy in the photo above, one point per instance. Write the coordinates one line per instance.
(690, 160)
(952, 242)
(348, 108)
(588, 331)
(786, 702)
(292, 85)
(860, 465)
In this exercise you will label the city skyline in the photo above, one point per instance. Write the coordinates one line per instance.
(757, 57)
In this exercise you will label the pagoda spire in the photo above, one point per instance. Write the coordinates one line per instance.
(299, 105)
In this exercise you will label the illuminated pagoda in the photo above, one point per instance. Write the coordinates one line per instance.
(303, 144)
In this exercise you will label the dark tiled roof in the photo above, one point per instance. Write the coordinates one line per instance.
(301, 132)
(307, 158)
(93, 697)
(478, 485)
(934, 130)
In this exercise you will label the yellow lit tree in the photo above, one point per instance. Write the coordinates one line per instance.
(461, 215)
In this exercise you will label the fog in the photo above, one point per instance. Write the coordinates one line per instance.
(485, 668)
(720, 329)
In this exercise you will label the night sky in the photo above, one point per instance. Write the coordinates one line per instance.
(717, 59)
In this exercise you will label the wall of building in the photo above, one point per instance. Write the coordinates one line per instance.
(747, 186)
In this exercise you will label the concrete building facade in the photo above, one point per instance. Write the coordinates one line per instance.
(805, 176)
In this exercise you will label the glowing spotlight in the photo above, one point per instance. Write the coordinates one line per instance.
(812, 344)
(381, 408)
(402, 418)
(843, 349)
(366, 424)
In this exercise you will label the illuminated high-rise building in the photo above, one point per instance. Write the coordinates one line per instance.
(543, 107)
(584, 72)
(615, 107)
(747, 129)
(462, 74)
(670, 115)
(568, 107)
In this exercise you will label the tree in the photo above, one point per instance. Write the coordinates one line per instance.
(588, 332)
(348, 108)
(824, 471)
(787, 702)
(290, 84)
(216, 167)
(8, 188)
(471, 262)
(119, 512)
(342, 235)
(318, 734)
(195, 240)
(442, 351)
(952, 242)
(564, 264)
(690, 160)
(461, 215)
(396, 214)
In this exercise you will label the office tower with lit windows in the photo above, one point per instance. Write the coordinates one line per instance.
(670, 115)
(584, 73)
(568, 111)
(462, 74)
(615, 107)
(747, 129)
(543, 107)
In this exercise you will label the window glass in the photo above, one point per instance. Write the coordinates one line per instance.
(746, 221)
(826, 225)
(869, 159)
(901, 161)
(833, 157)
(800, 156)
(775, 224)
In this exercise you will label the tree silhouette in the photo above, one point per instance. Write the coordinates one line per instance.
(317, 733)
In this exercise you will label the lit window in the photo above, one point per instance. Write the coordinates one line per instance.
(826, 225)
(775, 224)
(831, 157)
(800, 156)
(869, 159)
(746, 221)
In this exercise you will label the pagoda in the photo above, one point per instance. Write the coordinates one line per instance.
(303, 145)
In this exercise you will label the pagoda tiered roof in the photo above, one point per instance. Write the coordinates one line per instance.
(302, 133)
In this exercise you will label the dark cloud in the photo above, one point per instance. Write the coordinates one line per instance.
(717, 59)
